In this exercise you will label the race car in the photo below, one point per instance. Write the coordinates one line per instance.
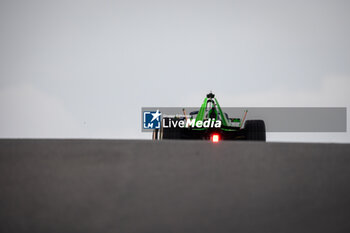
(210, 123)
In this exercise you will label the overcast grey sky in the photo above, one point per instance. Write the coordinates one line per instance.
(85, 68)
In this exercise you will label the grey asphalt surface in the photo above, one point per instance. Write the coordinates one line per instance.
(173, 186)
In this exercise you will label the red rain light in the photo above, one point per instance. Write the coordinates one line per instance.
(215, 138)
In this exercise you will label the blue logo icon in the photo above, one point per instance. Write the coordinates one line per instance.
(151, 119)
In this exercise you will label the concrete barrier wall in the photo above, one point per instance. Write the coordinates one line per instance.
(173, 186)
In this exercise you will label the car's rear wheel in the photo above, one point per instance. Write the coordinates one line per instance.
(255, 130)
(171, 132)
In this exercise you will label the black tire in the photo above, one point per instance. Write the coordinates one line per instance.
(255, 130)
(171, 133)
